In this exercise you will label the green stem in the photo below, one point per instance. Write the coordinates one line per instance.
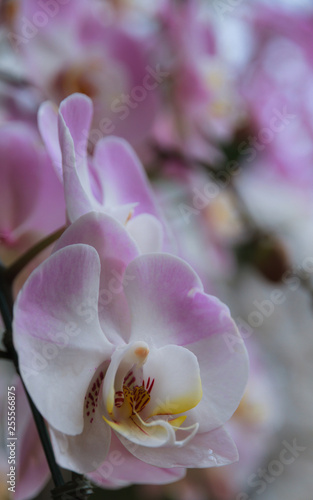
(12, 271)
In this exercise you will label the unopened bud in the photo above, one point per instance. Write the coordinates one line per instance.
(271, 259)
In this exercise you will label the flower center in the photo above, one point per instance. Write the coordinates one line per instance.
(133, 398)
(137, 414)
(78, 78)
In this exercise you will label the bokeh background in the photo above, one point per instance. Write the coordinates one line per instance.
(216, 96)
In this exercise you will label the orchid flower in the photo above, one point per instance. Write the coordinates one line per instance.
(29, 186)
(133, 355)
(113, 181)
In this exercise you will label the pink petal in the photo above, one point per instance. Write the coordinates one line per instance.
(58, 336)
(167, 302)
(76, 113)
(224, 375)
(48, 127)
(123, 177)
(77, 189)
(116, 249)
(20, 177)
(168, 307)
(122, 468)
(50, 213)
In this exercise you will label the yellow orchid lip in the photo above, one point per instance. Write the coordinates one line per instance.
(178, 421)
(154, 432)
(180, 404)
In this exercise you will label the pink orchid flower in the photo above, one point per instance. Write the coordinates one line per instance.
(31, 196)
(133, 355)
(113, 181)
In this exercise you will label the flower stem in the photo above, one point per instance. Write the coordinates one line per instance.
(4, 307)
(5, 355)
(46, 443)
(12, 271)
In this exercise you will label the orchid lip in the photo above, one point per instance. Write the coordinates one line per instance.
(134, 409)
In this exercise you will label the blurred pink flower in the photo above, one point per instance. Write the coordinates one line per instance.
(277, 88)
(74, 47)
(127, 343)
(199, 105)
(254, 426)
(31, 200)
